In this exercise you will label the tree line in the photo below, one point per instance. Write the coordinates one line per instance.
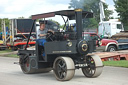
(122, 10)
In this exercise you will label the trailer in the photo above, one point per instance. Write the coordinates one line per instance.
(2, 46)
(64, 51)
(18, 33)
(113, 56)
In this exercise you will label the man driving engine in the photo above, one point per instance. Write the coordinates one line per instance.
(42, 32)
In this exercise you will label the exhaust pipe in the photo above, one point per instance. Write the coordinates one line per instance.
(79, 28)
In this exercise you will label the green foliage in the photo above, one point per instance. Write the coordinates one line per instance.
(8, 53)
(122, 63)
(0, 25)
(5, 51)
(62, 26)
(12, 55)
(122, 10)
(92, 6)
(55, 22)
(107, 12)
(90, 23)
(94, 24)
(21, 17)
(30, 17)
(76, 4)
(6, 23)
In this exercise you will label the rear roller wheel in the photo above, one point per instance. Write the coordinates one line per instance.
(94, 66)
(25, 65)
(27, 69)
(64, 68)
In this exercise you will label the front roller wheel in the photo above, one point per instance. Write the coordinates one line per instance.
(64, 68)
(94, 66)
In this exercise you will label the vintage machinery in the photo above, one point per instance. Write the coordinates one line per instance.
(64, 51)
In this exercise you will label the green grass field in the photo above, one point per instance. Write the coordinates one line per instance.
(8, 55)
(12, 55)
(121, 63)
(5, 51)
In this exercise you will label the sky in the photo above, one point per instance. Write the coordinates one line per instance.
(111, 7)
(18, 8)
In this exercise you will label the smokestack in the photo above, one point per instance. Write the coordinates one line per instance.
(78, 13)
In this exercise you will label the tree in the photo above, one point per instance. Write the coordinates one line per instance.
(55, 22)
(107, 12)
(6, 23)
(122, 10)
(62, 26)
(92, 6)
(0, 25)
(30, 17)
(21, 17)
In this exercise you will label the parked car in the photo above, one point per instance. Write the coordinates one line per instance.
(108, 45)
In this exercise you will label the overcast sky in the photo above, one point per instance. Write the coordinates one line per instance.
(18, 8)
(26, 8)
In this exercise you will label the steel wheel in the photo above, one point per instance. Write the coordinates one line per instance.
(27, 69)
(25, 66)
(64, 68)
(94, 66)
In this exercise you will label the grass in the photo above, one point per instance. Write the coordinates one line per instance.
(12, 55)
(121, 63)
(8, 55)
(5, 51)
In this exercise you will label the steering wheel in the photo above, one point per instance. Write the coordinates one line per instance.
(49, 36)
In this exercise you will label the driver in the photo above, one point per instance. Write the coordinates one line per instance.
(42, 34)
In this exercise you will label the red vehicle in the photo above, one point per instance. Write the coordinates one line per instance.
(102, 44)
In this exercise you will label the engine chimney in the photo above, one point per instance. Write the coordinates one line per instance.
(78, 15)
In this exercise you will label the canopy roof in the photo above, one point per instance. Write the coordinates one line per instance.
(69, 13)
